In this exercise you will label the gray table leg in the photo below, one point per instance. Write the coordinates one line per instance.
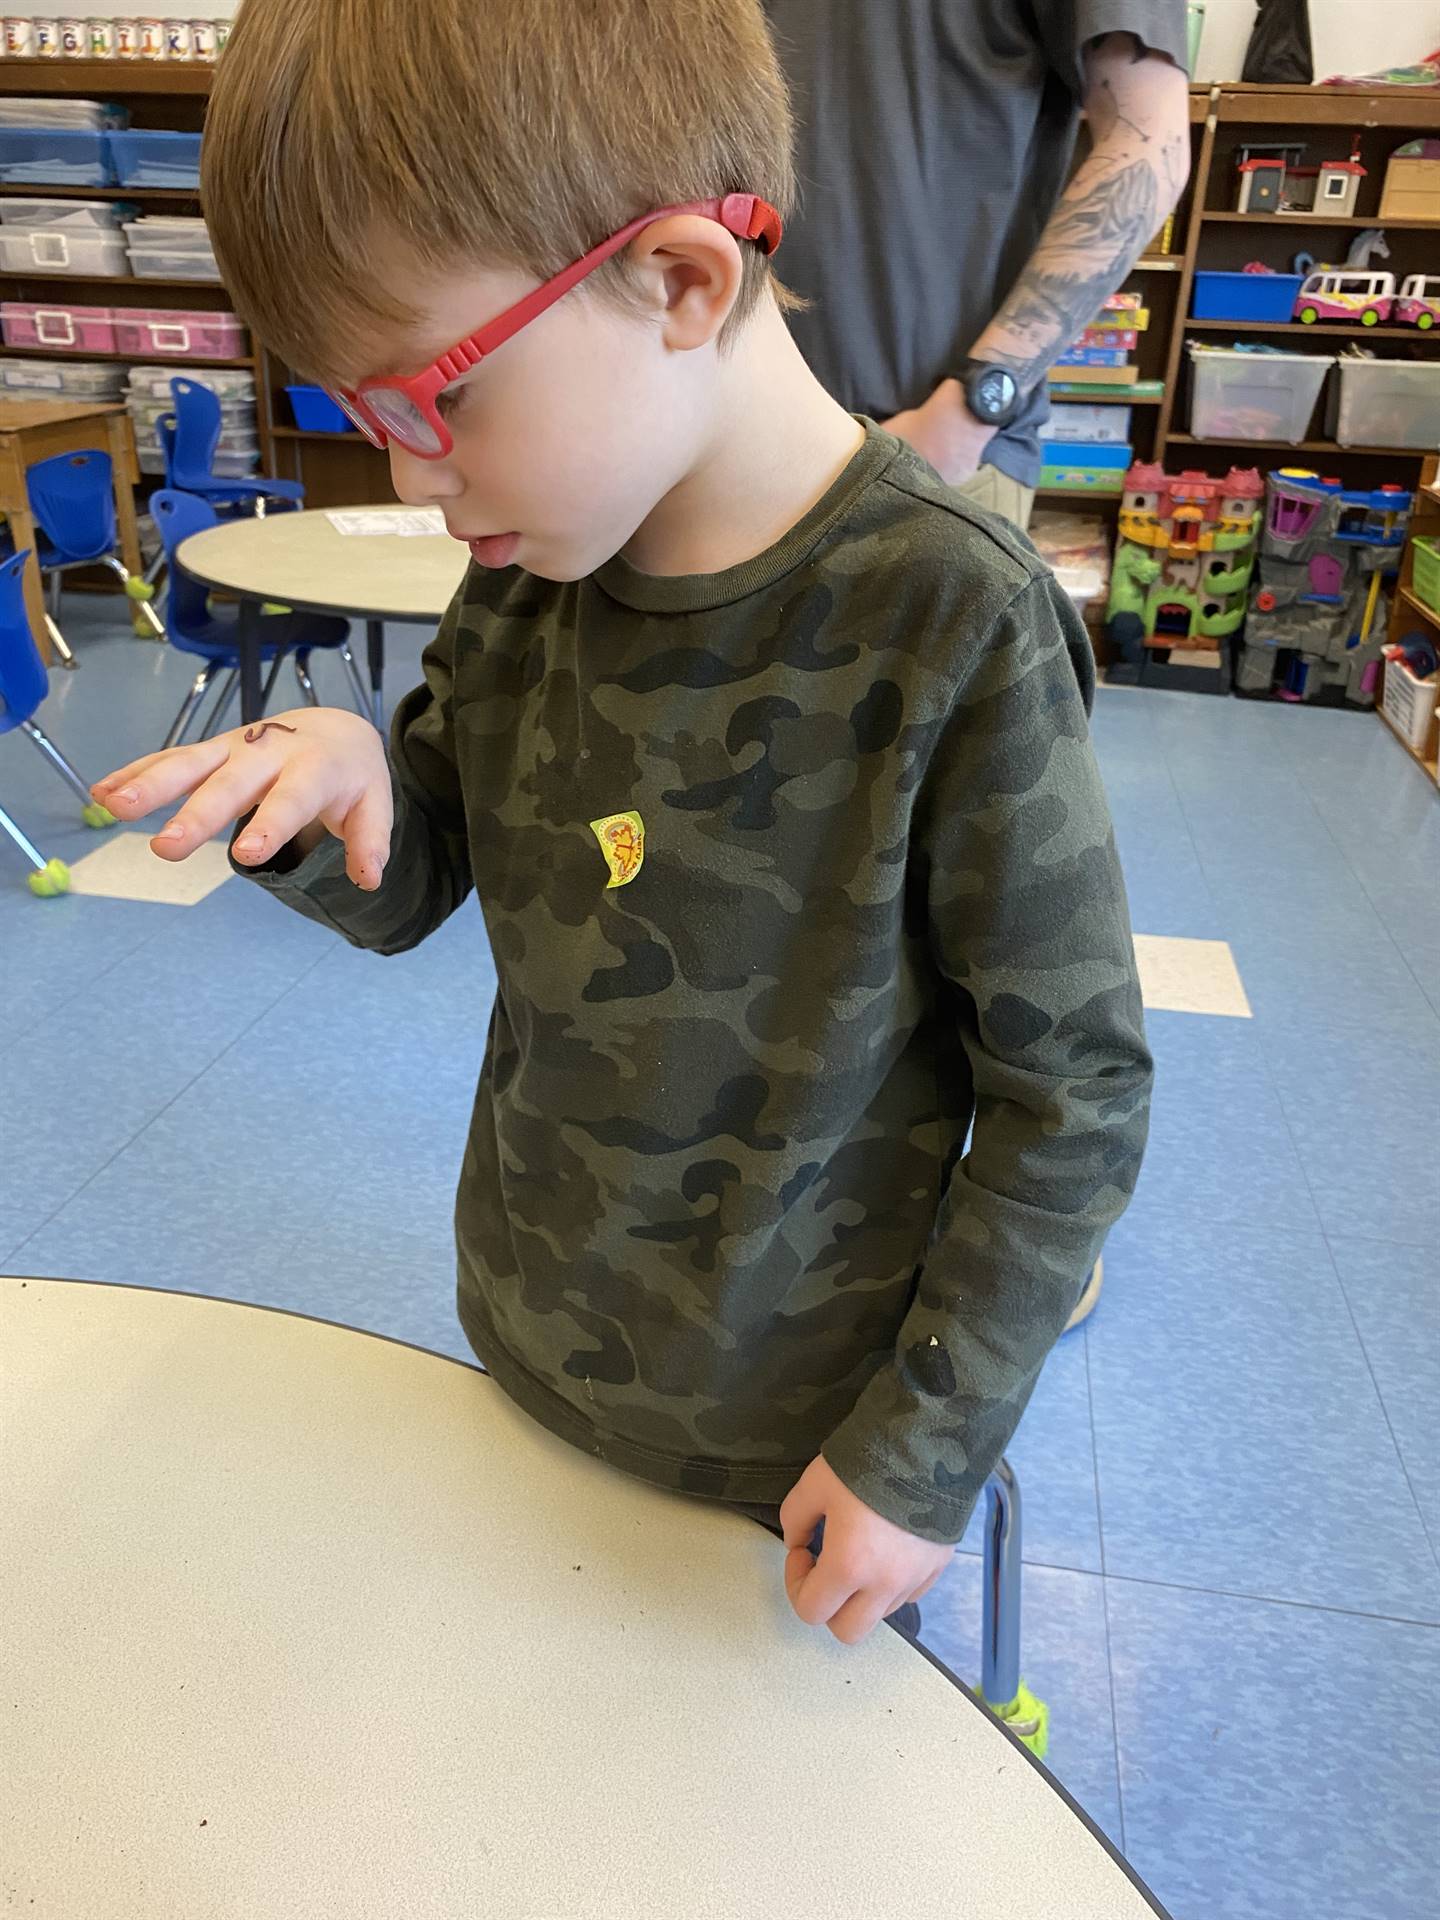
(375, 651)
(249, 642)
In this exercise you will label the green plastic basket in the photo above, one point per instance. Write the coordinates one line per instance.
(1427, 572)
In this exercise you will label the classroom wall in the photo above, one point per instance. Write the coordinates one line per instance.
(1347, 36)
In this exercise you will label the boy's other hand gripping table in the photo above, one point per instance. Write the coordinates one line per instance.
(302, 1621)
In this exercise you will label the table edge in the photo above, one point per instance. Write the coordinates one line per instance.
(471, 1366)
(345, 609)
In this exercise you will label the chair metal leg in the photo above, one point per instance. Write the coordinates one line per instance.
(302, 674)
(270, 679)
(60, 643)
(140, 603)
(1000, 1645)
(54, 593)
(229, 688)
(57, 760)
(188, 705)
(357, 681)
(27, 847)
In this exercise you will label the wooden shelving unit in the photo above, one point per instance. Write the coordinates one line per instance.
(158, 95)
(1219, 238)
(1408, 610)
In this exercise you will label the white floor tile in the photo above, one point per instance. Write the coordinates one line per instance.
(124, 868)
(1190, 976)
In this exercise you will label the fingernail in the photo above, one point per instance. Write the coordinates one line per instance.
(173, 832)
(127, 796)
(248, 846)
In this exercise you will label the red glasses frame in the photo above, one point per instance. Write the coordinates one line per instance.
(403, 410)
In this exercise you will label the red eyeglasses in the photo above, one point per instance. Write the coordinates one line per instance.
(388, 408)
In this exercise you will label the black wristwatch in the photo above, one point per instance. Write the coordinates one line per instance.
(992, 392)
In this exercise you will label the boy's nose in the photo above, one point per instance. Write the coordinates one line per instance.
(423, 483)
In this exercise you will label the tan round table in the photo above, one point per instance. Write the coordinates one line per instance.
(301, 560)
(302, 1622)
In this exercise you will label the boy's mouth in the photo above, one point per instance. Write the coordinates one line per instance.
(494, 550)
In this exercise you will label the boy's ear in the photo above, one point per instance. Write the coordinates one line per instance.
(691, 271)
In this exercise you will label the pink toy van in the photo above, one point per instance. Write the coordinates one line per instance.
(1342, 293)
(61, 329)
(1418, 302)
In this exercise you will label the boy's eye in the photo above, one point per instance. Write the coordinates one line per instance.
(450, 400)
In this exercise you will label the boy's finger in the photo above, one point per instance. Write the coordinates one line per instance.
(367, 836)
(231, 790)
(921, 1591)
(142, 765)
(801, 1512)
(860, 1615)
(161, 778)
(817, 1592)
(293, 802)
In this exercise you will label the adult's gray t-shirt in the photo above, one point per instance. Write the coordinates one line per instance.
(933, 140)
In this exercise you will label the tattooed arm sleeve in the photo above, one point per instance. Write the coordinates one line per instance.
(1014, 857)
(428, 872)
(1138, 111)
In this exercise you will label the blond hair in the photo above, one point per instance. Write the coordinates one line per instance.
(499, 132)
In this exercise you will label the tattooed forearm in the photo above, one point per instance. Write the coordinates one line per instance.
(1097, 231)
(1110, 210)
(252, 734)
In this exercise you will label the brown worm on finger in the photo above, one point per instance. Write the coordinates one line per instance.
(252, 734)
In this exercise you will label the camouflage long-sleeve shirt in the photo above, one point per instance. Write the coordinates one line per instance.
(716, 1214)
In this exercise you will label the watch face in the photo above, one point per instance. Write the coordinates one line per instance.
(994, 393)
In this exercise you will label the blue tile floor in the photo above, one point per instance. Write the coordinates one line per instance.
(1231, 1473)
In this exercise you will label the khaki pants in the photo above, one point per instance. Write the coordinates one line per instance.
(988, 487)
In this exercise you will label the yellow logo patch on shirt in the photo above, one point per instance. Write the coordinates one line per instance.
(622, 841)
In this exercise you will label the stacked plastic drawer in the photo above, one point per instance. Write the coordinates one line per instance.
(60, 380)
(164, 248)
(147, 333)
(59, 143)
(82, 237)
(148, 397)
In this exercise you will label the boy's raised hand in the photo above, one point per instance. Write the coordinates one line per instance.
(307, 772)
(867, 1567)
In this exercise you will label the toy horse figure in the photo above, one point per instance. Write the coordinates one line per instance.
(1370, 243)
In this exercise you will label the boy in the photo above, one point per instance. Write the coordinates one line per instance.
(765, 754)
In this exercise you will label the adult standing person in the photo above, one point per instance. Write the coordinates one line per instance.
(945, 258)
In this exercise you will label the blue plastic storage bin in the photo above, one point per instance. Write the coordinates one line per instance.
(316, 412)
(1085, 453)
(54, 157)
(142, 158)
(1245, 296)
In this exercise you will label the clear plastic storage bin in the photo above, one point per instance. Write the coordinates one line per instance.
(157, 333)
(1254, 396)
(104, 215)
(149, 159)
(153, 384)
(61, 329)
(54, 157)
(86, 116)
(61, 380)
(87, 252)
(163, 263)
(1388, 403)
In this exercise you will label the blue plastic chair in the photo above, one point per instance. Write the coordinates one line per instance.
(72, 498)
(24, 684)
(189, 438)
(196, 625)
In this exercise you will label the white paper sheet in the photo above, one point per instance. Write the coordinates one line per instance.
(405, 522)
